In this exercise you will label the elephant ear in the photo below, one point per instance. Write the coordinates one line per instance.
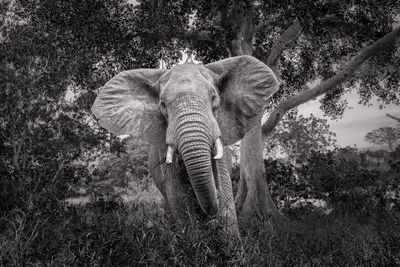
(245, 83)
(128, 104)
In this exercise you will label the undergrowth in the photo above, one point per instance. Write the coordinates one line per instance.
(110, 233)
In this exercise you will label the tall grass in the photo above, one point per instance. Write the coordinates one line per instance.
(110, 233)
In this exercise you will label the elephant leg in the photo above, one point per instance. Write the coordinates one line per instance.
(229, 162)
(179, 195)
(227, 210)
(170, 180)
(155, 173)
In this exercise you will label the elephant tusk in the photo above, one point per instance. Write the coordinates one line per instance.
(170, 153)
(219, 149)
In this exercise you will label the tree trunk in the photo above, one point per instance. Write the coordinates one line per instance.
(253, 199)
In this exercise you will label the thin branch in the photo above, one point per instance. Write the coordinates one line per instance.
(197, 36)
(346, 73)
(262, 25)
(60, 167)
(5, 137)
(393, 117)
(222, 7)
(287, 37)
(334, 21)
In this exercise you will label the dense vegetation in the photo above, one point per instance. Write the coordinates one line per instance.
(53, 57)
(358, 226)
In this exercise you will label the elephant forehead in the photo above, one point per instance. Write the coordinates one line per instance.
(186, 78)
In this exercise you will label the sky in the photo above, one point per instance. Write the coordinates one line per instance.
(356, 122)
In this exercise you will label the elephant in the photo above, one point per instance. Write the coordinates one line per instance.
(189, 114)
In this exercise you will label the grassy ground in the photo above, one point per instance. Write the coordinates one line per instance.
(113, 234)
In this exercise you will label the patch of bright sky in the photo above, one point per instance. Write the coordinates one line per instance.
(356, 122)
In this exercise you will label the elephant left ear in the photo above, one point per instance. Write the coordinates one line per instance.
(244, 83)
(128, 104)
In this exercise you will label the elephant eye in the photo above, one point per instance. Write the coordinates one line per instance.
(163, 109)
(215, 102)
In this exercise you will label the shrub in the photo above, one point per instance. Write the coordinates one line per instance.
(346, 185)
(334, 178)
(110, 233)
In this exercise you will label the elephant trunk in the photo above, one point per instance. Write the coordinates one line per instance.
(196, 154)
(194, 131)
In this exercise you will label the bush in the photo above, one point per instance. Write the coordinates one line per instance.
(330, 177)
(110, 233)
(332, 240)
(346, 185)
(286, 188)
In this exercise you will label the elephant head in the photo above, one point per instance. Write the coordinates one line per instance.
(191, 110)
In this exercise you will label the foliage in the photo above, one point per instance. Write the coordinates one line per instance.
(394, 161)
(285, 187)
(112, 234)
(114, 173)
(327, 241)
(107, 234)
(332, 32)
(384, 136)
(298, 136)
(121, 173)
(53, 56)
(341, 182)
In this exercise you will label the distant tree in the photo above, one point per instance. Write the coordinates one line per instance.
(384, 136)
(114, 172)
(298, 136)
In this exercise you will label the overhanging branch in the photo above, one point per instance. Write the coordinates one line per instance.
(276, 23)
(197, 35)
(346, 73)
(287, 37)
(334, 21)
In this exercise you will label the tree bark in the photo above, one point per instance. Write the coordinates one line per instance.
(254, 198)
(286, 38)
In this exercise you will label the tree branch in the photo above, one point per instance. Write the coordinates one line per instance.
(60, 167)
(393, 117)
(276, 23)
(346, 73)
(288, 36)
(197, 36)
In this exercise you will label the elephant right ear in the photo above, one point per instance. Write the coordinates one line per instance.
(128, 104)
